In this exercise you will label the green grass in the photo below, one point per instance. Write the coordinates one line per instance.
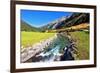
(30, 38)
(82, 42)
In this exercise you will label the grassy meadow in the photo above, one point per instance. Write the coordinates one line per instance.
(82, 43)
(30, 38)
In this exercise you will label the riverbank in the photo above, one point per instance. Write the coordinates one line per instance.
(82, 43)
(31, 51)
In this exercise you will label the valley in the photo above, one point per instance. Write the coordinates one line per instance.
(64, 39)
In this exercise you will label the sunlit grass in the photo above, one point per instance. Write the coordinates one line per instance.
(82, 42)
(30, 38)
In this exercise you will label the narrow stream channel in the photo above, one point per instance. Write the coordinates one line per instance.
(56, 51)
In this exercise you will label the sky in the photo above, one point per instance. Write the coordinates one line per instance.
(38, 18)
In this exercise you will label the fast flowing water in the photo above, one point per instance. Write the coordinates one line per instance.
(54, 51)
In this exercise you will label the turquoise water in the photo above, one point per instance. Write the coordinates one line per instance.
(54, 51)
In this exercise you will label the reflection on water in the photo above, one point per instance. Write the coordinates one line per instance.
(56, 51)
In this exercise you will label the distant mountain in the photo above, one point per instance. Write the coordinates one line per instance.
(26, 27)
(68, 21)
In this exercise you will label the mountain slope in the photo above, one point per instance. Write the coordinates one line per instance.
(68, 21)
(26, 27)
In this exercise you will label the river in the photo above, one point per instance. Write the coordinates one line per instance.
(58, 50)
